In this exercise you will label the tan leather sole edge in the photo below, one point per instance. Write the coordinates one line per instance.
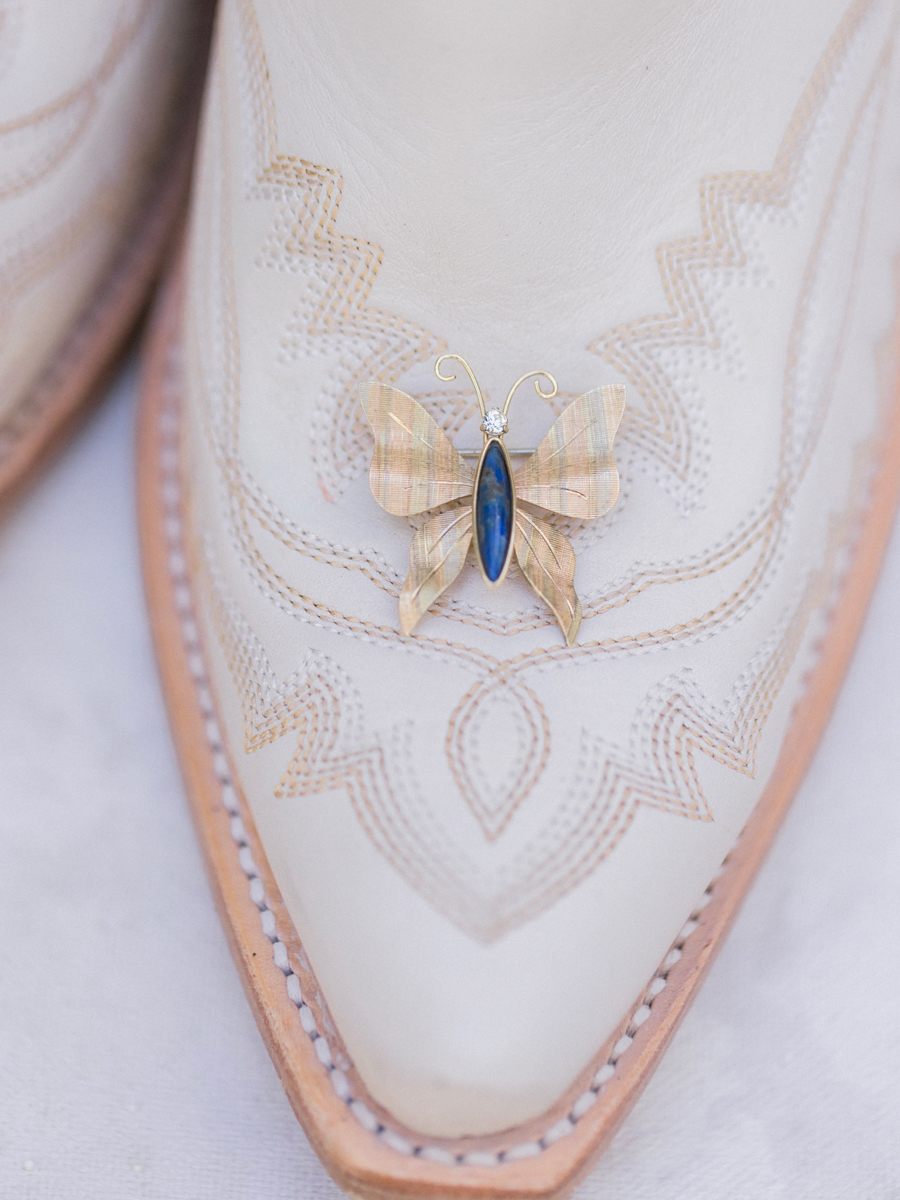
(365, 1151)
(43, 421)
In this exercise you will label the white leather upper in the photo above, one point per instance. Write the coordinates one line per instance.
(86, 91)
(488, 841)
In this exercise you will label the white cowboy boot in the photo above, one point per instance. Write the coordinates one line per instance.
(97, 102)
(474, 873)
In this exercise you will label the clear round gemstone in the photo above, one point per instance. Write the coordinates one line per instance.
(494, 422)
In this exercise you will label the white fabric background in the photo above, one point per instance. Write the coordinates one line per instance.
(129, 1062)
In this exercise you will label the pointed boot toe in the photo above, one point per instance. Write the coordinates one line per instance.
(489, 708)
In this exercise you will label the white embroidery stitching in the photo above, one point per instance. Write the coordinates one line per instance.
(171, 492)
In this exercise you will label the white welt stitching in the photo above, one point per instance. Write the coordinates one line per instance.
(171, 496)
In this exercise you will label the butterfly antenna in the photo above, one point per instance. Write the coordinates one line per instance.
(554, 387)
(468, 370)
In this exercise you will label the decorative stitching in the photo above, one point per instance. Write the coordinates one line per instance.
(31, 255)
(494, 800)
(670, 431)
(679, 720)
(58, 126)
(767, 529)
(675, 719)
(338, 271)
(173, 526)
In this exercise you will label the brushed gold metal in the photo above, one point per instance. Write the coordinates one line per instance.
(547, 560)
(436, 557)
(572, 472)
(509, 450)
(416, 468)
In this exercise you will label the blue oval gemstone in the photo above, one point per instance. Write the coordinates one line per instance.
(493, 511)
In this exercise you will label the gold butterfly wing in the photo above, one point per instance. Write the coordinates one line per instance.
(436, 557)
(414, 467)
(547, 561)
(572, 473)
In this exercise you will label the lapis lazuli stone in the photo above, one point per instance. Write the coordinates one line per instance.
(493, 511)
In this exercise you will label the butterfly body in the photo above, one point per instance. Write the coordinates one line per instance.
(416, 469)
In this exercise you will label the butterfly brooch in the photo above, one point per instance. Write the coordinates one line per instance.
(416, 468)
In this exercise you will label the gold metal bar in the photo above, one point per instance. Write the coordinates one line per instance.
(509, 450)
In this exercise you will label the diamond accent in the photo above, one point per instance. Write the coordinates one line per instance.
(495, 423)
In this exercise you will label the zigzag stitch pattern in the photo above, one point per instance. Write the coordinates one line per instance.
(668, 431)
(333, 317)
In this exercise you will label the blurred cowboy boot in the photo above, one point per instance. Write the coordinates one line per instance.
(97, 111)
(473, 873)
